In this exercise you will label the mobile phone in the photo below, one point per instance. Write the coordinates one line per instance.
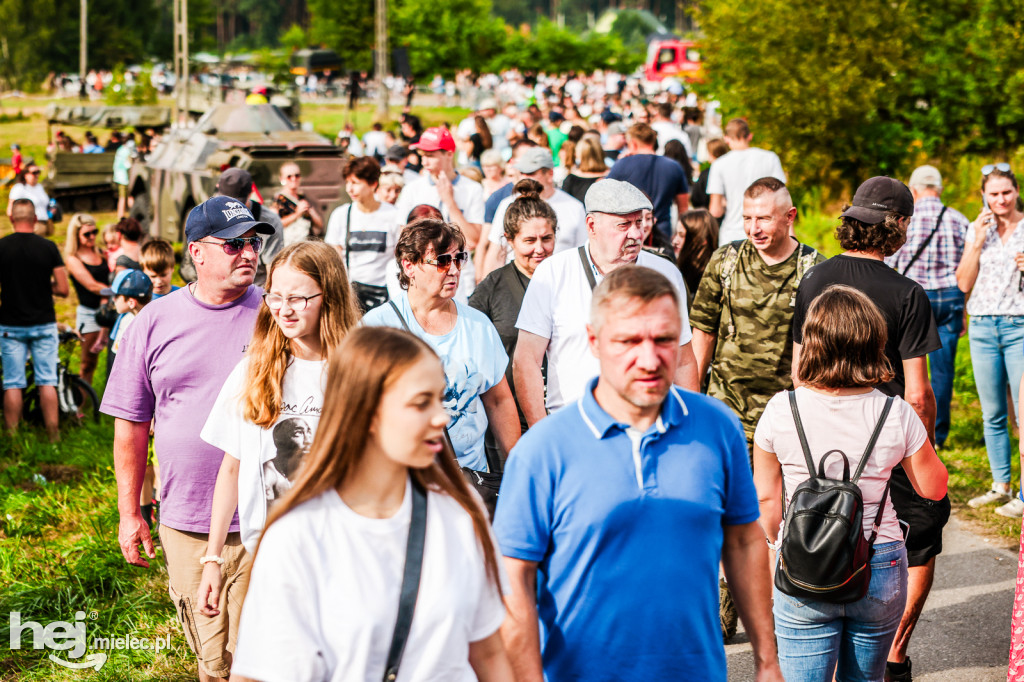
(984, 200)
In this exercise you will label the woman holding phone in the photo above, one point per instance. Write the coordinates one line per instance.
(989, 275)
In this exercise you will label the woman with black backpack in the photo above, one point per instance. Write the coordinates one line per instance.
(823, 455)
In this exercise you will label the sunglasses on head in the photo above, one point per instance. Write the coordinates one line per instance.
(443, 262)
(988, 168)
(234, 246)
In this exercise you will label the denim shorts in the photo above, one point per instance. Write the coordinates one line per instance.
(85, 320)
(816, 637)
(15, 345)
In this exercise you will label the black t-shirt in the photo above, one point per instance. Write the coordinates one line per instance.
(660, 178)
(577, 186)
(902, 301)
(27, 262)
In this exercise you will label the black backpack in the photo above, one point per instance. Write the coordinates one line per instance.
(824, 555)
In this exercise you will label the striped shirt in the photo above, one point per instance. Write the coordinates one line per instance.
(936, 267)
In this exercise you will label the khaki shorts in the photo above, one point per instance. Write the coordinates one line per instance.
(212, 640)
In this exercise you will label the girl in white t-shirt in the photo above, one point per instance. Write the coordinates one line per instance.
(269, 407)
(324, 593)
(841, 360)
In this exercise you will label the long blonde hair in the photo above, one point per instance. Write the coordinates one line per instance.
(366, 364)
(270, 351)
(75, 225)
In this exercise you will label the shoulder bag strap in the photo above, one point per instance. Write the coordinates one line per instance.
(410, 580)
(348, 243)
(800, 433)
(925, 243)
(399, 313)
(587, 268)
(874, 438)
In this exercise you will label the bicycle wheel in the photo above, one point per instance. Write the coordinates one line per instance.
(86, 402)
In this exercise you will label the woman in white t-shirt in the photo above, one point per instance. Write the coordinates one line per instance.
(842, 359)
(365, 232)
(324, 594)
(269, 407)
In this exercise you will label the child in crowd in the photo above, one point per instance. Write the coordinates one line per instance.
(112, 245)
(157, 261)
(131, 290)
(390, 186)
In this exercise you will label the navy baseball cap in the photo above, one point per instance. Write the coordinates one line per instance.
(223, 217)
(130, 283)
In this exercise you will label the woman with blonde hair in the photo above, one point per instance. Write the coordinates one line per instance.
(89, 273)
(590, 167)
(268, 410)
(380, 528)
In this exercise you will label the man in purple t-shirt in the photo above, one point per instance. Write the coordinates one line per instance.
(172, 363)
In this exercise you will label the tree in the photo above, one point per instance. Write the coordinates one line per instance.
(444, 37)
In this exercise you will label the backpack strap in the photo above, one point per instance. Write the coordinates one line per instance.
(925, 243)
(587, 268)
(410, 580)
(800, 433)
(729, 262)
(804, 262)
(874, 438)
(399, 313)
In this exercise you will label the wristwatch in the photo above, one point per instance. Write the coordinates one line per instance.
(213, 557)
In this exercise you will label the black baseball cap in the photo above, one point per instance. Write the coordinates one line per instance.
(222, 217)
(235, 182)
(878, 196)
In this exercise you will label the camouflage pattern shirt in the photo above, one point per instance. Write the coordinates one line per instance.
(748, 304)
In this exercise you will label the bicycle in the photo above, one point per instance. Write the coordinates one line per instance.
(76, 398)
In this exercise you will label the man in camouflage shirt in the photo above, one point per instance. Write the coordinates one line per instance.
(743, 311)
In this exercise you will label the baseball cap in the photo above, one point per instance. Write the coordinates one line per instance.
(222, 217)
(131, 283)
(609, 116)
(533, 159)
(616, 129)
(435, 139)
(617, 197)
(236, 183)
(489, 103)
(396, 153)
(925, 176)
(878, 196)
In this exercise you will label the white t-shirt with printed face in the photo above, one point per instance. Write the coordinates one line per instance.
(557, 307)
(572, 223)
(324, 592)
(469, 197)
(268, 458)
(731, 175)
(372, 241)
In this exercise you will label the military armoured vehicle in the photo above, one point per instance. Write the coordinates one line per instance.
(85, 182)
(182, 170)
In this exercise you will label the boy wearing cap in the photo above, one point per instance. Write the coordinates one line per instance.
(460, 200)
(873, 228)
(175, 357)
(131, 290)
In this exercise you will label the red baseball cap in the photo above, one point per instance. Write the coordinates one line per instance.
(435, 139)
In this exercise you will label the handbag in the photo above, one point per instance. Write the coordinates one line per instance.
(824, 555)
(370, 295)
(486, 483)
(106, 314)
(410, 580)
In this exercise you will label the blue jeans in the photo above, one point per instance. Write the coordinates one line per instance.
(997, 354)
(816, 637)
(948, 308)
(15, 345)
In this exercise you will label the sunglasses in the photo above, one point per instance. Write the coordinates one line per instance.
(444, 262)
(90, 233)
(988, 168)
(233, 247)
(35, 172)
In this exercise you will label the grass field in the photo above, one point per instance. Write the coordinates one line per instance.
(58, 518)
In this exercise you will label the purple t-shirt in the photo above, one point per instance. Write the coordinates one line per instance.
(171, 365)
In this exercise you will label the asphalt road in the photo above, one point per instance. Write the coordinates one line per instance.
(964, 632)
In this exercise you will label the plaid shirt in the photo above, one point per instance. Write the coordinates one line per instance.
(936, 267)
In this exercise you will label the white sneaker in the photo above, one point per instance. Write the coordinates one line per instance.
(1014, 509)
(991, 497)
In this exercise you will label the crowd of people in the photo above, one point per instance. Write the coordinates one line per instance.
(539, 369)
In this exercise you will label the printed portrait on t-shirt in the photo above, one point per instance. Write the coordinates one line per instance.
(292, 438)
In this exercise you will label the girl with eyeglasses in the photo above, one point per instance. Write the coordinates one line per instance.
(431, 255)
(89, 274)
(989, 275)
(331, 568)
(269, 408)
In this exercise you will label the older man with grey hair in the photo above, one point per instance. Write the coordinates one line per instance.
(553, 318)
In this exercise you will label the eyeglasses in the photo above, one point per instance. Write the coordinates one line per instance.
(444, 262)
(90, 233)
(988, 168)
(233, 247)
(296, 303)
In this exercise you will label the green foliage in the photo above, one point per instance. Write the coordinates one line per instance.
(139, 92)
(554, 49)
(442, 38)
(346, 26)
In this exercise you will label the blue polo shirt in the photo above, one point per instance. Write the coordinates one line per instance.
(628, 536)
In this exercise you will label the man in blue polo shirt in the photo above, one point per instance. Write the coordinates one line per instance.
(616, 510)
